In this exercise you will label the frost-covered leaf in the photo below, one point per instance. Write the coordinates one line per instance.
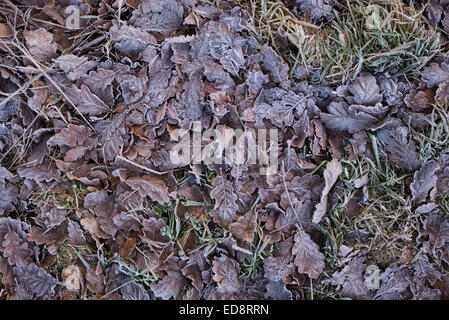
(42, 235)
(308, 258)
(47, 171)
(419, 100)
(400, 151)
(395, 281)
(36, 280)
(193, 271)
(75, 67)
(351, 279)
(130, 41)
(434, 11)
(87, 102)
(172, 283)
(279, 106)
(100, 79)
(71, 136)
(50, 218)
(390, 89)
(152, 230)
(158, 16)
(274, 64)
(102, 206)
(132, 87)
(151, 186)
(76, 234)
(226, 274)
(134, 291)
(126, 222)
(217, 41)
(435, 74)
(278, 268)
(365, 90)
(437, 229)
(95, 279)
(225, 201)
(316, 9)
(331, 174)
(255, 81)
(353, 118)
(278, 291)
(9, 192)
(41, 45)
(192, 98)
(15, 249)
(423, 181)
(243, 229)
(425, 272)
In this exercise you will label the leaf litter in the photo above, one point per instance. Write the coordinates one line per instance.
(91, 206)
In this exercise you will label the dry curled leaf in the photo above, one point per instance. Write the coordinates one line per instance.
(331, 174)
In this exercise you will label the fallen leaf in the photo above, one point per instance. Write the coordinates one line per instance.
(331, 174)
(151, 186)
(423, 181)
(225, 201)
(41, 45)
(308, 258)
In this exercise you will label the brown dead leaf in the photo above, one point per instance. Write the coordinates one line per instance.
(308, 258)
(331, 174)
(41, 45)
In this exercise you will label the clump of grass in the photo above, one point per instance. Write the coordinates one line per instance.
(373, 36)
(435, 138)
(387, 214)
(145, 277)
(323, 290)
(207, 238)
(72, 197)
(377, 36)
(256, 255)
(68, 255)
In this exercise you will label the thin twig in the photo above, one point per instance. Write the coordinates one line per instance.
(140, 166)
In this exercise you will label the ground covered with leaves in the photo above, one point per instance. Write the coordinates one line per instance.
(92, 207)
